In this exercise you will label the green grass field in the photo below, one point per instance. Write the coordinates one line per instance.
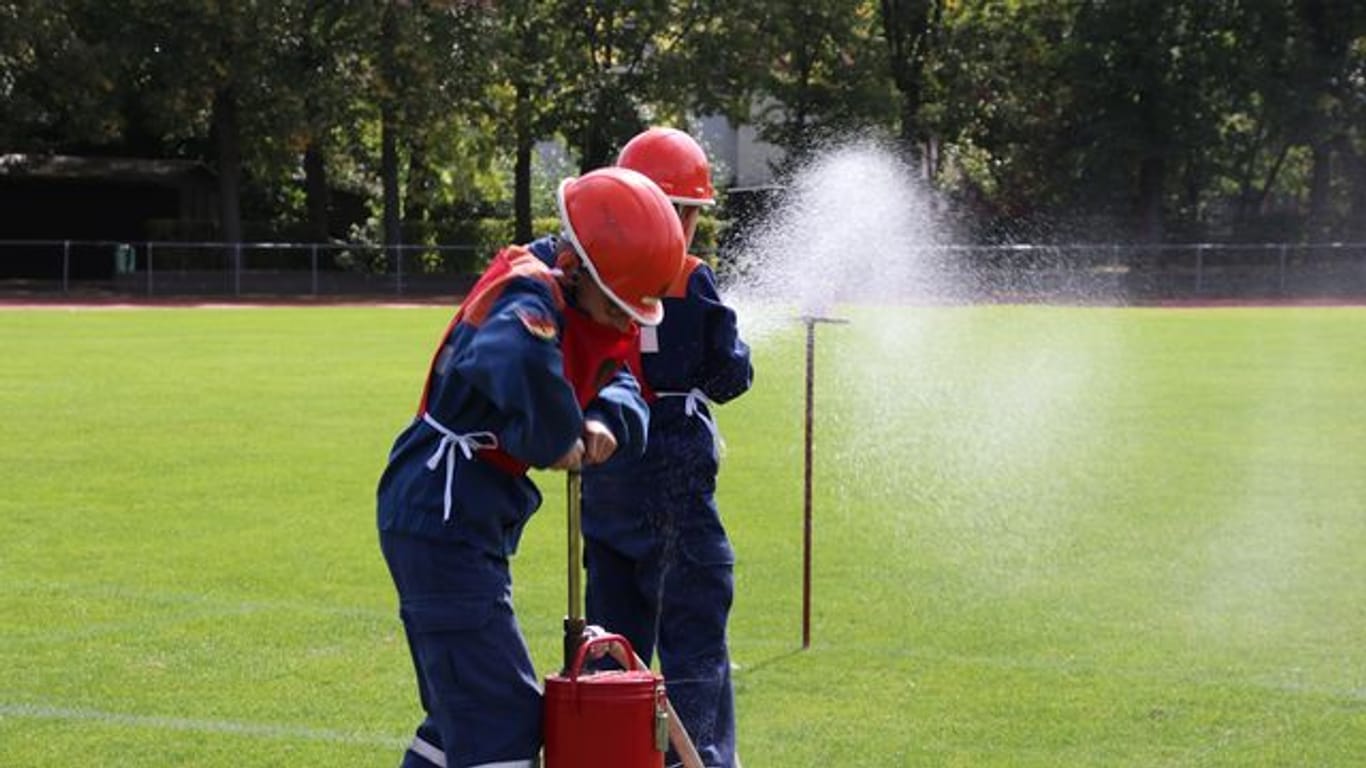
(1044, 537)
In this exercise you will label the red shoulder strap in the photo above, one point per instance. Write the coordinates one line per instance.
(679, 287)
(510, 263)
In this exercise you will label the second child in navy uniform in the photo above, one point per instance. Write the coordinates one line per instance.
(659, 562)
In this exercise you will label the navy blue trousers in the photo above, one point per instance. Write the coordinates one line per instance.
(475, 679)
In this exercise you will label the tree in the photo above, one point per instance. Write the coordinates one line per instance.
(527, 34)
(63, 83)
(189, 60)
(430, 64)
(1329, 55)
(607, 67)
(826, 74)
(910, 28)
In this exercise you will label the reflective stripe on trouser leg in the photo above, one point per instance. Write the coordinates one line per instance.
(436, 757)
(427, 751)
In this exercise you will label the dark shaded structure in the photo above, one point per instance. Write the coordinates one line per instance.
(61, 197)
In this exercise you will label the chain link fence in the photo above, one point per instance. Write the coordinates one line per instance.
(176, 269)
(1073, 272)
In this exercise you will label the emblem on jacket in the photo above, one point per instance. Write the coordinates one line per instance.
(537, 325)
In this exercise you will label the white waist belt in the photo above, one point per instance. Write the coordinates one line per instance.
(468, 443)
(692, 406)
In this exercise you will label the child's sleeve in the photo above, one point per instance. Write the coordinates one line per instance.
(514, 360)
(726, 370)
(620, 407)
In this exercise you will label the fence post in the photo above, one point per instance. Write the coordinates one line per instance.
(237, 268)
(1199, 269)
(313, 266)
(149, 267)
(66, 266)
(398, 269)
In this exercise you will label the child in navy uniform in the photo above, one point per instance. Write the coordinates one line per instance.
(528, 374)
(660, 566)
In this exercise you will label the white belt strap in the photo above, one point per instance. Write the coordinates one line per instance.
(692, 406)
(468, 443)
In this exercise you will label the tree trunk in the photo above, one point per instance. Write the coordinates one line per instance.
(388, 140)
(388, 164)
(521, 183)
(415, 208)
(317, 194)
(1151, 180)
(907, 26)
(228, 146)
(1320, 180)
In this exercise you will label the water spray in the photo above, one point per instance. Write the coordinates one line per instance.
(852, 226)
(810, 322)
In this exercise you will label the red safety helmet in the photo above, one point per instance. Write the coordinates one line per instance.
(675, 161)
(628, 236)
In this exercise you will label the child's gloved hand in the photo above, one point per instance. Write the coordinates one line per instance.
(598, 441)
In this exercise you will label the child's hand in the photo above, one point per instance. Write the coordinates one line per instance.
(572, 458)
(598, 441)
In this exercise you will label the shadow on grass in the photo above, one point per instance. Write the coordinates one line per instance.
(768, 662)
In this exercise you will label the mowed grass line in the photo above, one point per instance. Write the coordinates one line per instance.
(1044, 536)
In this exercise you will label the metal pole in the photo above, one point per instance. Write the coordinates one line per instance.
(810, 322)
(806, 482)
(1199, 269)
(66, 266)
(313, 262)
(574, 623)
(237, 269)
(398, 269)
(149, 268)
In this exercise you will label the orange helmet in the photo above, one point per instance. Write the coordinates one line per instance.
(675, 161)
(628, 236)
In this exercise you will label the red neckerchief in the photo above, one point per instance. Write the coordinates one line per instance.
(593, 352)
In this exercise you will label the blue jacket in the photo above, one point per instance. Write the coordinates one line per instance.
(497, 378)
(697, 348)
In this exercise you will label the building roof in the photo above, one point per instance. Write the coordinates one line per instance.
(80, 168)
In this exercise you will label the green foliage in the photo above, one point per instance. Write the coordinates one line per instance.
(489, 235)
(1198, 117)
(828, 76)
(708, 233)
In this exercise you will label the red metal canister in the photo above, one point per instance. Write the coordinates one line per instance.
(613, 719)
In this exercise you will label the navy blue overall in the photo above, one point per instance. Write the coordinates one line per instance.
(454, 498)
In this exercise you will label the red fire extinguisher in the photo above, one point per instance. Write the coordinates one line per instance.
(616, 718)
